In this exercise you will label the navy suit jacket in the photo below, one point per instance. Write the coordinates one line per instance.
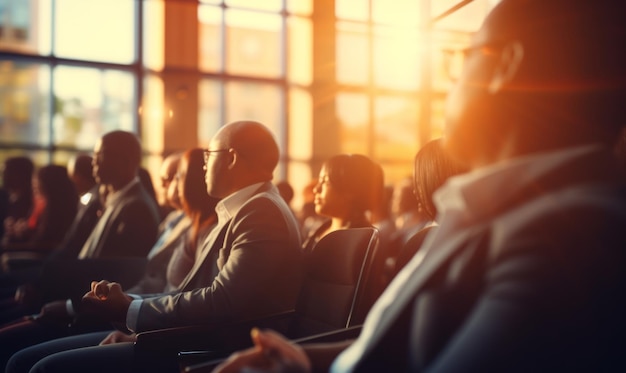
(537, 286)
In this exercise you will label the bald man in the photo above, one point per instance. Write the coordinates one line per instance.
(250, 266)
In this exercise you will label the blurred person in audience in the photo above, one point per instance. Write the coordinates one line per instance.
(17, 179)
(382, 217)
(433, 166)
(407, 211)
(169, 205)
(55, 209)
(249, 266)
(348, 187)
(527, 270)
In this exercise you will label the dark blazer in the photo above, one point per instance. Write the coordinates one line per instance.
(131, 229)
(120, 253)
(86, 218)
(537, 285)
(252, 269)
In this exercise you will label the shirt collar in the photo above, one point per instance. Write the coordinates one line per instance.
(230, 205)
(480, 192)
(113, 199)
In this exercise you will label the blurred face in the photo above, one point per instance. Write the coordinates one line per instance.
(172, 193)
(328, 200)
(168, 177)
(100, 169)
(470, 119)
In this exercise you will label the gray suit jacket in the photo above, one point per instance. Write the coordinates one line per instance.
(538, 285)
(252, 269)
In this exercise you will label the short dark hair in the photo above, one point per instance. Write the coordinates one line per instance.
(357, 175)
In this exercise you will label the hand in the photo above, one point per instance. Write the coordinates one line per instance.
(54, 313)
(118, 337)
(271, 353)
(107, 301)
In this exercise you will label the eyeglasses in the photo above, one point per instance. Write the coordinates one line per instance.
(453, 59)
(207, 153)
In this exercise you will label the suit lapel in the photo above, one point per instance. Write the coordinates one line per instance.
(439, 249)
(212, 242)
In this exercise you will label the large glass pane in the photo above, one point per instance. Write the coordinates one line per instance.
(396, 58)
(254, 43)
(396, 12)
(101, 30)
(255, 101)
(210, 38)
(396, 127)
(209, 111)
(24, 103)
(270, 5)
(153, 34)
(300, 50)
(300, 7)
(352, 54)
(353, 117)
(353, 10)
(153, 113)
(89, 103)
(25, 26)
(300, 124)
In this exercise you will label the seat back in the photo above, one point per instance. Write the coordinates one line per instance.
(334, 273)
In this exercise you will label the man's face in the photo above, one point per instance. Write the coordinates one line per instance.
(469, 107)
(99, 163)
(217, 159)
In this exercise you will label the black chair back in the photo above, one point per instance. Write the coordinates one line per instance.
(332, 284)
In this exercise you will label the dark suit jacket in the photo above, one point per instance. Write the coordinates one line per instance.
(86, 219)
(132, 227)
(254, 268)
(120, 254)
(538, 285)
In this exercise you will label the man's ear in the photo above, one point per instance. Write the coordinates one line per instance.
(234, 157)
(508, 63)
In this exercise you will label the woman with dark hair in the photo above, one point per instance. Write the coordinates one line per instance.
(198, 206)
(432, 167)
(349, 186)
(56, 203)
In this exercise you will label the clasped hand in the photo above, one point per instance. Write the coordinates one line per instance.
(107, 301)
(272, 353)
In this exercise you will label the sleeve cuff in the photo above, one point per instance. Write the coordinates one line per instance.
(69, 308)
(133, 313)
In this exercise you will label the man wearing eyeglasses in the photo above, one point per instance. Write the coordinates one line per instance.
(250, 265)
(526, 271)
